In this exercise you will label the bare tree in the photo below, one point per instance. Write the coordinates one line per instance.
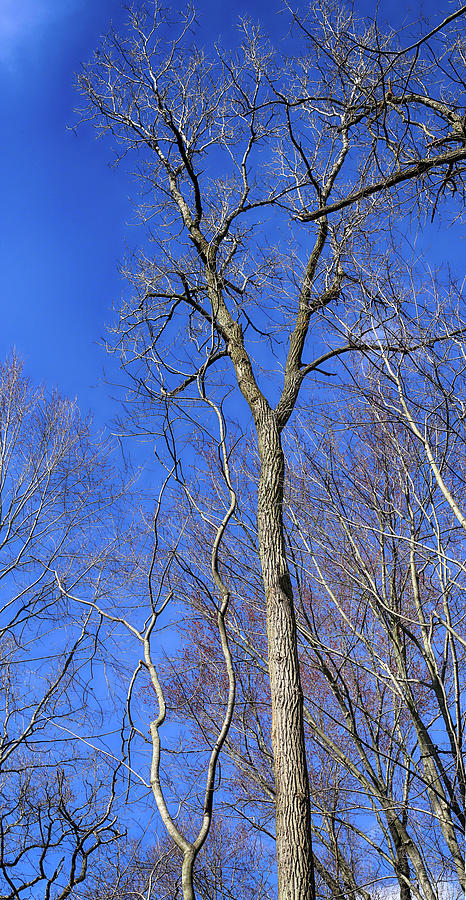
(138, 624)
(384, 553)
(55, 797)
(233, 152)
(231, 864)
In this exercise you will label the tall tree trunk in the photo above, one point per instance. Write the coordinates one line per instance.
(292, 815)
(402, 870)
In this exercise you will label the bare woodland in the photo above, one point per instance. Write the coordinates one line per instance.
(257, 659)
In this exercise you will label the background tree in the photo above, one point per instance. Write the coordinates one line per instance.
(231, 864)
(56, 795)
(395, 670)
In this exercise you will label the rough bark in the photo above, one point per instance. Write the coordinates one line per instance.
(402, 869)
(292, 812)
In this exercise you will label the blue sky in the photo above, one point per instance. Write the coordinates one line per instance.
(64, 208)
(65, 211)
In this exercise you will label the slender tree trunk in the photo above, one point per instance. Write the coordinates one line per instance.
(292, 815)
(404, 843)
(187, 876)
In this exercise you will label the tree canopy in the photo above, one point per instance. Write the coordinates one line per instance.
(273, 627)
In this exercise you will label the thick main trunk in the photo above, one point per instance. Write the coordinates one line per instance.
(293, 827)
(402, 870)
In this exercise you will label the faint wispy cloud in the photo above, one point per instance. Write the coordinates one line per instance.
(24, 21)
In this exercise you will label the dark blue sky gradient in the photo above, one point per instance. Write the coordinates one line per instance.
(65, 210)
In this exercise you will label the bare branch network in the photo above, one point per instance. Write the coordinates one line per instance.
(250, 683)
